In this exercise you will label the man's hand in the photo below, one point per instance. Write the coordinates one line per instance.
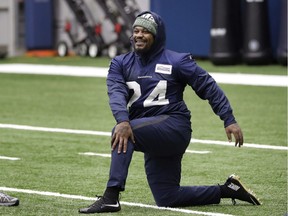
(237, 132)
(122, 133)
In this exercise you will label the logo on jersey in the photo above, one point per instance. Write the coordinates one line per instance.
(163, 68)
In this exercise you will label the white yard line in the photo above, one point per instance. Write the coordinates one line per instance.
(197, 152)
(225, 78)
(101, 133)
(251, 79)
(58, 130)
(109, 155)
(95, 154)
(8, 158)
(249, 145)
(54, 70)
(78, 197)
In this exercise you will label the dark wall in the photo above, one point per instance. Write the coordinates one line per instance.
(188, 24)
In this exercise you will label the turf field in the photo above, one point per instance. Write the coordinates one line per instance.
(52, 175)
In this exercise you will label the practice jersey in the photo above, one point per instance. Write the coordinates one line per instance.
(137, 90)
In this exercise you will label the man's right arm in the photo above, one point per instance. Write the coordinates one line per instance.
(118, 92)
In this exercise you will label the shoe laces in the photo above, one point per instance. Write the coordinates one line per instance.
(104, 200)
(99, 201)
(5, 198)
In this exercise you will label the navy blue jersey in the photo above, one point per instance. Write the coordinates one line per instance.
(153, 84)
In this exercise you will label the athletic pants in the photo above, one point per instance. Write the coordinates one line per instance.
(163, 140)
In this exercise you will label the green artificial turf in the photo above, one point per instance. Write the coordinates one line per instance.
(50, 161)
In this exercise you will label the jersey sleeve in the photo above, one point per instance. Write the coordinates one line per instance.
(118, 91)
(206, 88)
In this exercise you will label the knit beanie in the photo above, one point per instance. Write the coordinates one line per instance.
(146, 21)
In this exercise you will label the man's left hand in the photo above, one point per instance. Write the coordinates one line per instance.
(237, 133)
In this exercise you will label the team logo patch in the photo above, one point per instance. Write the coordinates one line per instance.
(148, 16)
(163, 68)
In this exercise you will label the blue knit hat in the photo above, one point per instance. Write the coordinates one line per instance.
(146, 21)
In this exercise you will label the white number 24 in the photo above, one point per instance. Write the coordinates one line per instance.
(156, 97)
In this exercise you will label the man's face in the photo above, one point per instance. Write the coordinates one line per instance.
(143, 39)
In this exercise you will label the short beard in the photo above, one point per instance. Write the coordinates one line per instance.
(141, 51)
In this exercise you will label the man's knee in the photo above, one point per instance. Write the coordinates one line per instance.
(165, 198)
(162, 203)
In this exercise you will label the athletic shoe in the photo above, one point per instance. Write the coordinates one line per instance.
(6, 200)
(101, 205)
(238, 191)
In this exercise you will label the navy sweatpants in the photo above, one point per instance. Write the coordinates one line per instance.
(163, 140)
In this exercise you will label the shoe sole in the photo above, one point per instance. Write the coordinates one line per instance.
(104, 208)
(10, 204)
(253, 198)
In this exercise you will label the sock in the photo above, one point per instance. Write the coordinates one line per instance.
(112, 193)
(225, 191)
